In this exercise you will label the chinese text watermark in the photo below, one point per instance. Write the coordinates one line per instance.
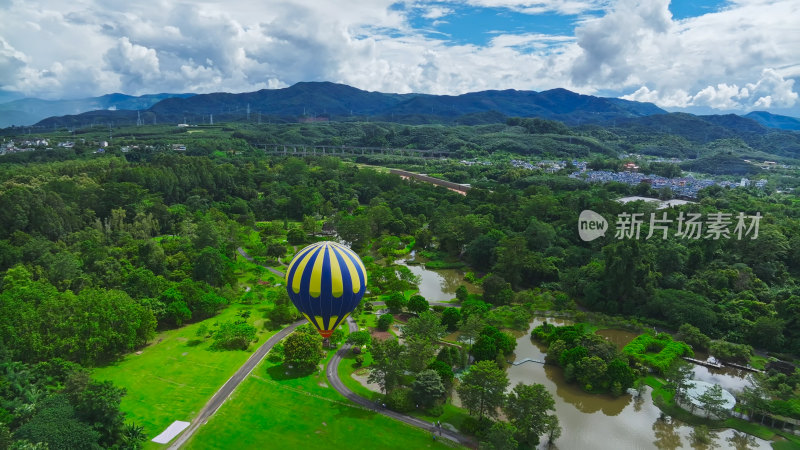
(592, 225)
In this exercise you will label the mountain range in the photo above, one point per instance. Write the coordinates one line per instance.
(331, 101)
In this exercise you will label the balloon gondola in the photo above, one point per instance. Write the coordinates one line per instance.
(326, 281)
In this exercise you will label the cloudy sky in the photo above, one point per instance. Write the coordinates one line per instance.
(703, 55)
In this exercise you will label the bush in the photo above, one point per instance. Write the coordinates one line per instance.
(436, 411)
(234, 336)
(400, 400)
(385, 321)
(476, 427)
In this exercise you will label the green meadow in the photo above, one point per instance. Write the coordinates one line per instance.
(173, 377)
(276, 408)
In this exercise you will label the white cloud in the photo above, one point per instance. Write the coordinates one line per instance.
(436, 12)
(572, 7)
(770, 91)
(742, 56)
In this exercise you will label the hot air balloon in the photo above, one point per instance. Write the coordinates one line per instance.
(325, 281)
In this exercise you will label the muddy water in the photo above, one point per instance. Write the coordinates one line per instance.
(602, 422)
(437, 285)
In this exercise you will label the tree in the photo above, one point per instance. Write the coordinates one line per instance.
(470, 328)
(396, 302)
(767, 332)
(694, 337)
(450, 318)
(526, 408)
(385, 321)
(213, 267)
(553, 429)
(359, 338)
(492, 342)
(497, 291)
(482, 389)
(461, 293)
(303, 349)
(388, 363)
(96, 403)
(445, 372)
(501, 437)
(295, 236)
(310, 225)
(56, 424)
(234, 336)
(427, 326)
(275, 250)
(427, 388)
(591, 372)
(418, 304)
(712, 402)
(133, 436)
(679, 377)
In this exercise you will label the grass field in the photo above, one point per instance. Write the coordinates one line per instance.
(274, 408)
(174, 377)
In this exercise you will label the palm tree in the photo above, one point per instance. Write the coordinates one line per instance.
(133, 436)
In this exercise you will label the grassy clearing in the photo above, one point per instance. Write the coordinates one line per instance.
(276, 408)
(174, 377)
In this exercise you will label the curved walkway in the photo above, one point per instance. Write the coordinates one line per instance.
(233, 382)
(250, 258)
(333, 378)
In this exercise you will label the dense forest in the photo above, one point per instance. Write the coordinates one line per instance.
(98, 251)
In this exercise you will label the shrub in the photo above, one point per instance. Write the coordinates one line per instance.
(385, 321)
(400, 400)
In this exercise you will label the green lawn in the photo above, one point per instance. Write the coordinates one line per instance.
(174, 377)
(276, 409)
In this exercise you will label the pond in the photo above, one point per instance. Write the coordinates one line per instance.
(436, 285)
(603, 422)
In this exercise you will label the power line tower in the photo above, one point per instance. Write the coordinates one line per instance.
(212, 119)
(138, 118)
(248, 112)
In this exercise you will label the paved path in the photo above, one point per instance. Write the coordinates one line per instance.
(227, 389)
(250, 258)
(336, 382)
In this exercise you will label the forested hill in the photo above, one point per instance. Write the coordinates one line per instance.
(340, 102)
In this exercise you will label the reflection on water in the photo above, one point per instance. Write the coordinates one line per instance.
(603, 422)
(620, 338)
(729, 378)
(437, 285)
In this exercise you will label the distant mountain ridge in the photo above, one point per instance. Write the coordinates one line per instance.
(774, 120)
(28, 111)
(342, 102)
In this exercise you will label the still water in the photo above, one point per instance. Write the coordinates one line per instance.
(602, 422)
(436, 285)
(596, 421)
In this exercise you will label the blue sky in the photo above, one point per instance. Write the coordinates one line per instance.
(710, 56)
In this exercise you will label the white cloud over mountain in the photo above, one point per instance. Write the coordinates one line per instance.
(742, 56)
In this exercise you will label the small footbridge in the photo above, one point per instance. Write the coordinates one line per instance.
(523, 361)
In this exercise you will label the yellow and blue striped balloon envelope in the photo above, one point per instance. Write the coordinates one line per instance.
(325, 281)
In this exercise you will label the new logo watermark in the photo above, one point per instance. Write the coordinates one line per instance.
(592, 225)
